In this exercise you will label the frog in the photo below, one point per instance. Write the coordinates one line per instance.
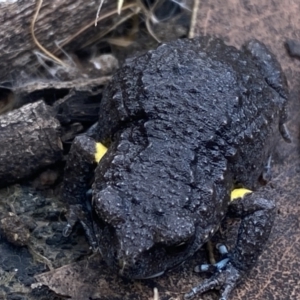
(181, 128)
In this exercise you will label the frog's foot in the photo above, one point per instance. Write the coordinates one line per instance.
(225, 280)
(75, 214)
(225, 277)
(82, 160)
(72, 218)
(257, 215)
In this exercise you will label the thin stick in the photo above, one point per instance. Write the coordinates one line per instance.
(37, 43)
(99, 36)
(41, 258)
(113, 12)
(120, 4)
(98, 11)
(194, 18)
(210, 251)
(149, 28)
(148, 20)
(156, 295)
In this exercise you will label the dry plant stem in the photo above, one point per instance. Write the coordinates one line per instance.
(39, 5)
(8, 279)
(120, 42)
(210, 251)
(39, 257)
(148, 26)
(102, 34)
(156, 295)
(98, 11)
(194, 18)
(148, 20)
(120, 4)
(105, 16)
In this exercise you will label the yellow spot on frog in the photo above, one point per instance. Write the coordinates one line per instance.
(100, 151)
(239, 193)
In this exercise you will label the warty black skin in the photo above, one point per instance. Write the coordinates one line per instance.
(188, 122)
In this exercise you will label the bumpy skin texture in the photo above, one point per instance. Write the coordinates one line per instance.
(188, 122)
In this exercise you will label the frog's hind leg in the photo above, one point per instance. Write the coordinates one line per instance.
(230, 276)
(78, 174)
(268, 66)
(271, 70)
(257, 216)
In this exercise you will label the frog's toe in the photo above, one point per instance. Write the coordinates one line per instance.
(75, 214)
(224, 279)
(67, 230)
(225, 276)
(212, 268)
(72, 217)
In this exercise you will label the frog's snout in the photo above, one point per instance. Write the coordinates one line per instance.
(143, 253)
(135, 250)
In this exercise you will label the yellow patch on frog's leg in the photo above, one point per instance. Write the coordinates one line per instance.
(99, 151)
(239, 193)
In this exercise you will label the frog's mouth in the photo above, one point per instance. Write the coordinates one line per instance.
(154, 262)
(172, 257)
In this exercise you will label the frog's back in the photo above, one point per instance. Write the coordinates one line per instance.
(187, 121)
(199, 93)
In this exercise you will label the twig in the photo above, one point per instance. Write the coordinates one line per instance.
(194, 18)
(41, 258)
(120, 4)
(156, 295)
(99, 36)
(148, 14)
(98, 12)
(149, 28)
(37, 43)
(210, 251)
(113, 12)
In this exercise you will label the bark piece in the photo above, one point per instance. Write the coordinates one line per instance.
(30, 140)
(82, 103)
(57, 92)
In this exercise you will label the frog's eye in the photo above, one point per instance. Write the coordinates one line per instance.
(178, 248)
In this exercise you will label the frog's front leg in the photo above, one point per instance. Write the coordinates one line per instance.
(83, 157)
(257, 217)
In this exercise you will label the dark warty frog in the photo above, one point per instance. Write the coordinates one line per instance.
(186, 125)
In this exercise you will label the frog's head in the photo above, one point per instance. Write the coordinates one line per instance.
(141, 241)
